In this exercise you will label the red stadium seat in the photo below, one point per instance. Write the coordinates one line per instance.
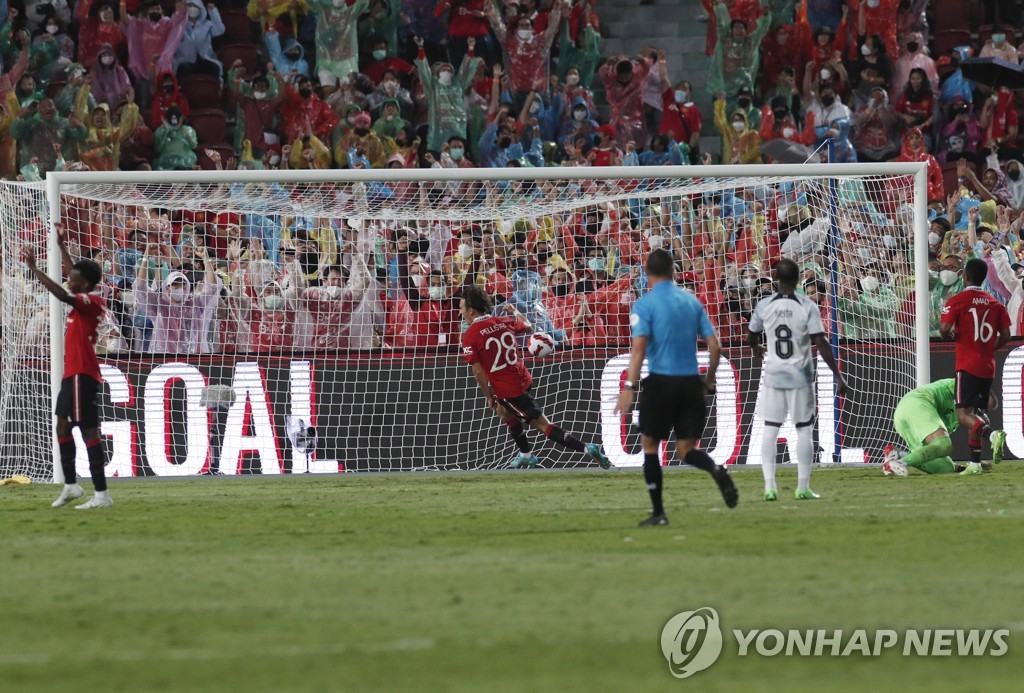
(202, 91)
(238, 28)
(246, 52)
(943, 41)
(210, 125)
(950, 14)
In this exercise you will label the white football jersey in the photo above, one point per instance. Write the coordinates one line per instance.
(789, 321)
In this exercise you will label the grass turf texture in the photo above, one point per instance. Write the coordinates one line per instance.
(494, 582)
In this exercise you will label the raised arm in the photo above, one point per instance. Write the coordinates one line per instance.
(28, 255)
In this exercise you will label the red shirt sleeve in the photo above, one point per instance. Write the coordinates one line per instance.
(469, 348)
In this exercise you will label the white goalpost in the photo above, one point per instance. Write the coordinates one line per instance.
(323, 334)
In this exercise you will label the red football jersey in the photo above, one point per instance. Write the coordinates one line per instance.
(80, 336)
(491, 342)
(977, 318)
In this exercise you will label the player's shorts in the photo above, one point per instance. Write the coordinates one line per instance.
(773, 404)
(672, 403)
(77, 401)
(971, 391)
(522, 406)
(915, 419)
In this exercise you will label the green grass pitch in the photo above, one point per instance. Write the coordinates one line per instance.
(500, 582)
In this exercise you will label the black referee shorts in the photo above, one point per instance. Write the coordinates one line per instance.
(670, 403)
(971, 391)
(77, 401)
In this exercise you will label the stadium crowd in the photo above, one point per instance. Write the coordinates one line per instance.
(313, 84)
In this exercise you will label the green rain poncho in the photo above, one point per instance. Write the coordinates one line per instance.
(734, 64)
(384, 28)
(584, 59)
(337, 42)
(175, 147)
(446, 104)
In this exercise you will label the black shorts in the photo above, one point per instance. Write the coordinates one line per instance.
(77, 401)
(523, 407)
(971, 391)
(670, 403)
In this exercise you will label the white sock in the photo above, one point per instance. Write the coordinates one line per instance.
(769, 447)
(103, 494)
(992, 436)
(804, 457)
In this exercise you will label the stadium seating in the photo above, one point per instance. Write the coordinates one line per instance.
(210, 125)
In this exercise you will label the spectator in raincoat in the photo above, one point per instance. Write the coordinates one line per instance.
(181, 317)
(737, 55)
(624, 88)
(195, 51)
(337, 40)
(832, 120)
(101, 149)
(110, 82)
(305, 113)
(258, 101)
(740, 143)
(289, 60)
(94, 32)
(166, 94)
(175, 143)
(152, 39)
(582, 53)
(916, 55)
(527, 51)
(37, 129)
(446, 100)
(913, 149)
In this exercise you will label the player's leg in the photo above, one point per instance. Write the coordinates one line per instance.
(973, 393)
(518, 433)
(921, 428)
(87, 417)
(689, 425)
(63, 428)
(934, 456)
(771, 406)
(532, 413)
(801, 405)
(656, 411)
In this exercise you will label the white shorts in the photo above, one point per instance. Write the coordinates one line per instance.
(774, 404)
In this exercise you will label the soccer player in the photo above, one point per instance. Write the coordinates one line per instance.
(924, 418)
(666, 322)
(980, 325)
(489, 346)
(76, 402)
(792, 323)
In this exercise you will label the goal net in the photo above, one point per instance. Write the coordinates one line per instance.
(274, 322)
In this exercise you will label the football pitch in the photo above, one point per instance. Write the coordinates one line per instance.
(530, 581)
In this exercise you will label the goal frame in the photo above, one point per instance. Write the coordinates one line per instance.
(56, 180)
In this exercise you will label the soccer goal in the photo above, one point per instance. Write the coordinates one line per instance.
(275, 322)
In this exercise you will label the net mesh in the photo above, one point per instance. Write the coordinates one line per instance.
(334, 307)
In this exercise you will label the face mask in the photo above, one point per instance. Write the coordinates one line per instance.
(560, 289)
(825, 74)
(748, 283)
(596, 264)
(912, 46)
(456, 153)
(933, 238)
(788, 132)
(865, 50)
(275, 160)
(680, 96)
(869, 284)
(465, 251)
(362, 131)
(436, 293)
(391, 85)
(273, 302)
(997, 39)
(579, 115)
(524, 34)
(948, 277)
(655, 242)
(379, 54)
(535, 108)
(737, 125)
(193, 12)
(259, 95)
(1014, 175)
(445, 78)
(572, 80)
(417, 280)
(518, 263)
(155, 16)
(292, 57)
(332, 291)
(107, 60)
(177, 295)
(173, 121)
(827, 101)
(52, 29)
(873, 3)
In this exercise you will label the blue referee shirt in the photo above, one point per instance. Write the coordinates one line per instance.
(671, 319)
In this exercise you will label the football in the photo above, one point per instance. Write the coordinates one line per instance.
(540, 344)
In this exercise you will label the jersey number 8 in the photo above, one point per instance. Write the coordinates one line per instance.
(783, 342)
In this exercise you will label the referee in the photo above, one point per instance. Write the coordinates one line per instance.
(666, 323)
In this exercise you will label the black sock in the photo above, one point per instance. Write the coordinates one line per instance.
(563, 437)
(700, 460)
(975, 451)
(97, 461)
(518, 433)
(67, 459)
(652, 475)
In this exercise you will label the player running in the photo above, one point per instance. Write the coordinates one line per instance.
(489, 346)
(76, 402)
(924, 418)
(981, 326)
(792, 323)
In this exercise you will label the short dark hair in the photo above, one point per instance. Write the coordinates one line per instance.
(786, 272)
(975, 270)
(659, 264)
(91, 272)
(477, 299)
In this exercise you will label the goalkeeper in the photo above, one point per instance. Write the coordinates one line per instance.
(925, 418)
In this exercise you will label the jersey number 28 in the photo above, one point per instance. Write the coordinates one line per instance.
(504, 350)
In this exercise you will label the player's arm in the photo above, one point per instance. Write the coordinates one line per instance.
(522, 319)
(714, 355)
(1003, 338)
(29, 257)
(481, 379)
(946, 330)
(754, 342)
(637, 352)
(62, 243)
(825, 349)
(947, 320)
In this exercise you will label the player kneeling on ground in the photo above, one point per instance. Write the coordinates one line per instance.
(76, 403)
(489, 345)
(924, 419)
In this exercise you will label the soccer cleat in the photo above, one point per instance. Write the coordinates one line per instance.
(998, 439)
(70, 493)
(972, 469)
(524, 458)
(594, 450)
(894, 467)
(97, 501)
(725, 485)
(806, 495)
(771, 495)
(654, 521)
